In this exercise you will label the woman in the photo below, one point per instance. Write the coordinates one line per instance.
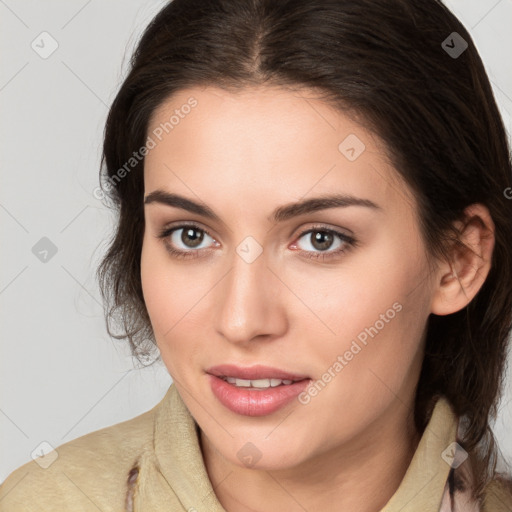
(314, 229)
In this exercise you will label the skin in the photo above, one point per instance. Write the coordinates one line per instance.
(244, 154)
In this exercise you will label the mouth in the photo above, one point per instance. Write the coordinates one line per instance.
(257, 390)
(255, 373)
(257, 377)
(258, 384)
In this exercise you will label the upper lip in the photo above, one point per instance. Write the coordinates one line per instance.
(253, 372)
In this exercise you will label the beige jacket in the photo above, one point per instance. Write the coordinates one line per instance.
(153, 463)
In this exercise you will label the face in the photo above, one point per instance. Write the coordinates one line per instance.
(336, 295)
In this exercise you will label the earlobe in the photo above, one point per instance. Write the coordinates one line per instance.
(459, 280)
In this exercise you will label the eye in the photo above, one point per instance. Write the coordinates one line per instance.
(185, 241)
(320, 238)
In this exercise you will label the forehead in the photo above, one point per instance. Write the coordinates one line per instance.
(266, 142)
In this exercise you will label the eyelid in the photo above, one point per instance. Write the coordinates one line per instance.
(186, 224)
(319, 226)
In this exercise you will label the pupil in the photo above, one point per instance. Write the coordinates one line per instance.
(322, 240)
(195, 240)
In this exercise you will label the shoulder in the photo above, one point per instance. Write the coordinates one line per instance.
(497, 495)
(87, 473)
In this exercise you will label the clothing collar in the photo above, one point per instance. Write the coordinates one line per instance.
(424, 483)
(179, 462)
(179, 454)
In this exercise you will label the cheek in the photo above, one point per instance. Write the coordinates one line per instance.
(171, 294)
(162, 290)
(373, 358)
(376, 314)
(152, 284)
(361, 293)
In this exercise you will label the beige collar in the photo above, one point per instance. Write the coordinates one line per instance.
(175, 466)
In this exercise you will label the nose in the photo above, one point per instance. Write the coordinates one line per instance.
(249, 302)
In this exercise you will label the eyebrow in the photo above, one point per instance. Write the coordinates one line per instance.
(280, 214)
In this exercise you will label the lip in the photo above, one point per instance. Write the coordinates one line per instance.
(253, 372)
(255, 402)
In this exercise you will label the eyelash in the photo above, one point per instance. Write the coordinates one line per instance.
(349, 242)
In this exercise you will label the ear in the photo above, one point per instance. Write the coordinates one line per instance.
(459, 280)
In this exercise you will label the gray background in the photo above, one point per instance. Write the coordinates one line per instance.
(61, 375)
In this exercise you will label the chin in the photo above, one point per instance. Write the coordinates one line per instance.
(271, 462)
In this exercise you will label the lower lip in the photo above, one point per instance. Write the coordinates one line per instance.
(253, 402)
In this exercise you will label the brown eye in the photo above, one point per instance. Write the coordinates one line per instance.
(190, 238)
(184, 241)
(321, 240)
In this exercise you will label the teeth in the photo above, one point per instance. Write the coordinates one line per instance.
(258, 383)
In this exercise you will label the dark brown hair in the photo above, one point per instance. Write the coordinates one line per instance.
(381, 60)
